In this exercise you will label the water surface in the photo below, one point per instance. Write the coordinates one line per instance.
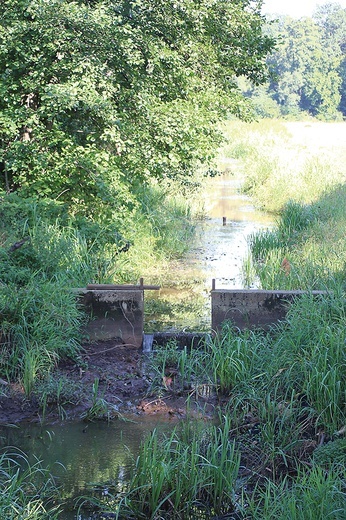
(83, 456)
(219, 252)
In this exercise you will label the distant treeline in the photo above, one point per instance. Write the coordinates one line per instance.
(308, 67)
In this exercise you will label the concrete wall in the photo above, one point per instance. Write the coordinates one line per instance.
(251, 308)
(114, 314)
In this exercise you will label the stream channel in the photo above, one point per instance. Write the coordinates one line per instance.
(218, 253)
(101, 453)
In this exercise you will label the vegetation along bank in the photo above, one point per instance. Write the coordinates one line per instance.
(108, 110)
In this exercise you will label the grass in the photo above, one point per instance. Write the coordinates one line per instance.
(41, 322)
(313, 495)
(58, 391)
(192, 471)
(281, 161)
(27, 491)
(100, 408)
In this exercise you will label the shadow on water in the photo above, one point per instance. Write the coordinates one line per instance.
(84, 458)
(219, 252)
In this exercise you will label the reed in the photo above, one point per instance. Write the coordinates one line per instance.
(312, 495)
(234, 359)
(28, 491)
(175, 478)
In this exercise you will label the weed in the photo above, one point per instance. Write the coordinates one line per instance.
(27, 491)
(312, 495)
(331, 454)
(57, 391)
(100, 408)
(178, 475)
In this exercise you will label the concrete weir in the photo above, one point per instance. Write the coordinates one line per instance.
(116, 312)
(251, 308)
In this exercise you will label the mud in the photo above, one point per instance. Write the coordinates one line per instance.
(123, 382)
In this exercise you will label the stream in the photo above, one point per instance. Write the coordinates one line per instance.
(80, 455)
(218, 253)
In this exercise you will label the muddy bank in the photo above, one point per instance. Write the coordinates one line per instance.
(123, 382)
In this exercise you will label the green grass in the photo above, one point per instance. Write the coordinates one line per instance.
(277, 168)
(313, 495)
(26, 491)
(100, 409)
(310, 239)
(41, 322)
(192, 471)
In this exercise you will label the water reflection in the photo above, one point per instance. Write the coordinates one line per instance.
(219, 253)
(231, 218)
(80, 455)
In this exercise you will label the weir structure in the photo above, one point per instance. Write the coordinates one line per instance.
(117, 312)
(251, 308)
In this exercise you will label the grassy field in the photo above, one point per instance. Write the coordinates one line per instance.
(296, 170)
(287, 160)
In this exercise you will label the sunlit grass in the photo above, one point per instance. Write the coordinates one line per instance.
(297, 171)
(278, 167)
(27, 490)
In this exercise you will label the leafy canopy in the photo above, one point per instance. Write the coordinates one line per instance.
(98, 97)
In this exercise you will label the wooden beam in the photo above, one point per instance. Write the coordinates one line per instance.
(112, 287)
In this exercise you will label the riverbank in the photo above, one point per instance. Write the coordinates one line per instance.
(110, 381)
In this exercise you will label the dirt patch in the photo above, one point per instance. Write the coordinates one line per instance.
(108, 372)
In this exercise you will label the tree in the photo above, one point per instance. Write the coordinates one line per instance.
(306, 68)
(99, 96)
(332, 20)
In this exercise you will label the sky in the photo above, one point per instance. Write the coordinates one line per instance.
(296, 8)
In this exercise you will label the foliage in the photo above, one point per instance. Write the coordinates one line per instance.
(27, 491)
(332, 453)
(307, 70)
(99, 97)
(107, 110)
(307, 67)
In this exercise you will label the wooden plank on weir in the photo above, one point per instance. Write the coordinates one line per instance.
(114, 287)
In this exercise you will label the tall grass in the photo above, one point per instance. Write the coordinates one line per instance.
(162, 230)
(313, 495)
(191, 472)
(41, 322)
(306, 249)
(304, 186)
(278, 168)
(27, 490)
(40, 319)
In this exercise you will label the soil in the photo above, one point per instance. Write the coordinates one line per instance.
(123, 383)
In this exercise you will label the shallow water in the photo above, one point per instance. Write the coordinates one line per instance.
(82, 456)
(219, 253)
